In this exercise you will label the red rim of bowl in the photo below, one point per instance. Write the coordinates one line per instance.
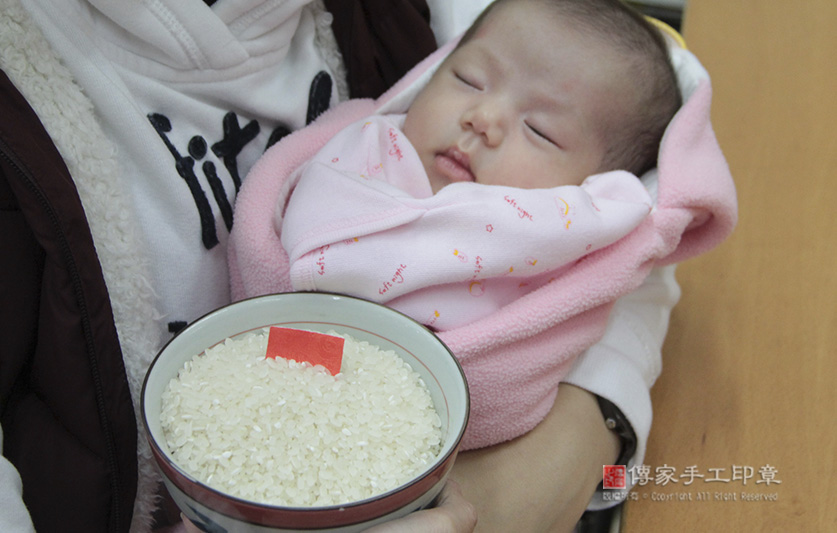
(304, 517)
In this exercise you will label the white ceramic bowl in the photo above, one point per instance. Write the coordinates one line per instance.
(361, 319)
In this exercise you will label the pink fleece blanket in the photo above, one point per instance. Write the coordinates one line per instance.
(515, 358)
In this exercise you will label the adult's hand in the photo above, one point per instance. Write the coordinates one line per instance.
(452, 514)
(541, 481)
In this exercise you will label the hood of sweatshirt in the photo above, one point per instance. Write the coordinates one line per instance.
(187, 35)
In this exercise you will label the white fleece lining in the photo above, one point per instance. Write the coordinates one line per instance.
(37, 72)
(29, 61)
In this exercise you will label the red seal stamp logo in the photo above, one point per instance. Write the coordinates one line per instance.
(615, 477)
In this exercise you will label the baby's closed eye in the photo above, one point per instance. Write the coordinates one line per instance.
(469, 80)
(541, 135)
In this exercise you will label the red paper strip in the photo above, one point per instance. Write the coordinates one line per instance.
(306, 346)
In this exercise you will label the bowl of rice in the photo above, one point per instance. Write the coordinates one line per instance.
(250, 442)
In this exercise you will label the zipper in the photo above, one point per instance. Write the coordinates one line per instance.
(26, 176)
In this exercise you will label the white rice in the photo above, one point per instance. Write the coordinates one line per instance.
(283, 433)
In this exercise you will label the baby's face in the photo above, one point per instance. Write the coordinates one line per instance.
(524, 103)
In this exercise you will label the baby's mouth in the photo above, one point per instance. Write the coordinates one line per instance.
(454, 165)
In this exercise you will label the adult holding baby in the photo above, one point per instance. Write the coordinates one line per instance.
(127, 128)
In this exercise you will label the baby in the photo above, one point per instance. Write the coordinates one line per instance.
(502, 206)
(519, 157)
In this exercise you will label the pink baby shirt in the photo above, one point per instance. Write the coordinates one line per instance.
(362, 220)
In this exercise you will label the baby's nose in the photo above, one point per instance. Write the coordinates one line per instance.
(486, 121)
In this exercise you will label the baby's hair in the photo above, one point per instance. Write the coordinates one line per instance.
(632, 142)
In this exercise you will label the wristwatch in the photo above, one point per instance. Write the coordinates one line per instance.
(616, 421)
